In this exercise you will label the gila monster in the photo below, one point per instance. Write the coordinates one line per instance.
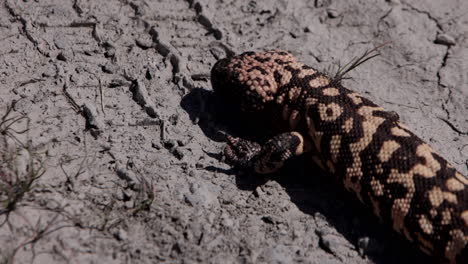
(405, 182)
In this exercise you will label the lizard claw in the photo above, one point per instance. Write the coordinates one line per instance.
(240, 151)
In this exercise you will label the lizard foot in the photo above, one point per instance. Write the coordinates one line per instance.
(239, 152)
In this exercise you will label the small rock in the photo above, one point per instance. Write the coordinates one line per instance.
(278, 254)
(127, 195)
(194, 187)
(202, 195)
(268, 219)
(320, 3)
(61, 43)
(81, 196)
(363, 244)
(282, 230)
(141, 96)
(218, 52)
(211, 217)
(126, 175)
(138, 8)
(162, 45)
(178, 153)
(193, 200)
(129, 205)
(444, 39)
(150, 74)
(62, 56)
(144, 43)
(176, 62)
(174, 119)
(148, 122)
(93, 120)
(367, 245)
(121, 235)
(170, 144)
(205, 21)
(109, 53)
(110, 68)
(176, 248)
(151, 111)
(330, 243)
(226, 221)
(110, 49)
(464, 151)
(119, 195)
(163, 48)
(188, 83)
(155, 145)
(181, 142)
(218, 34)
(192, 173)
(332, 13)
(258, 192)
(116, 83)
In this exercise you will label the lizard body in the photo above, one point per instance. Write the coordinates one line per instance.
(406, 183)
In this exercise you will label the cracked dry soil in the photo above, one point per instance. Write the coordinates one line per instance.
(121, 116)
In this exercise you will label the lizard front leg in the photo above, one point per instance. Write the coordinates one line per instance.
(267, 158)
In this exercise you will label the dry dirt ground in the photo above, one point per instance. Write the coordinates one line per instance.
(110, 150)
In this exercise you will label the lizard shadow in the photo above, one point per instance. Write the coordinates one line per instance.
(314, 192)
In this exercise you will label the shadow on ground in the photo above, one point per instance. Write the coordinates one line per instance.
(308, 187)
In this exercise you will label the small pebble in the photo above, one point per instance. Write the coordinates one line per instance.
(61, 56)
(129, 205)
(126, 175)
(93, 119)
(444, 39)
(363, 244)
(332, 13)
(174, 119)
(110, 53)
(155, 145)
(144, 43)
(151, 74)
(110, 68)
(121, 235)
(268, 219)
(181, 142)
(179, 154)
(119, 195)
(193, 200)
(330, 243)
(170, 144)
(218, 53)
(60, 43)
(226, 221)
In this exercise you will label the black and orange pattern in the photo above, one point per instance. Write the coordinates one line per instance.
(404, 181)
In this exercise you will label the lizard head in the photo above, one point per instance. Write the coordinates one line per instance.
(232, 88)
(248, 80)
